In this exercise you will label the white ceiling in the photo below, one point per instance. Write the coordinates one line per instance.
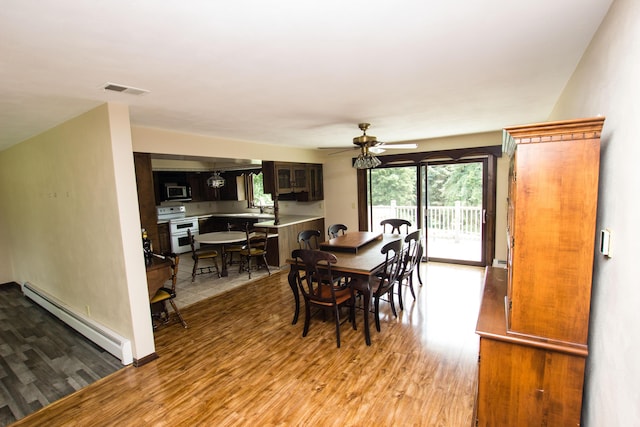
(292, 72)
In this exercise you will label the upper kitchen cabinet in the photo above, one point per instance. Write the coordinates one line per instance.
(200, 191)
(316, 186)
(197, 187)
(291, 177)
(293, 181)
(234, 186)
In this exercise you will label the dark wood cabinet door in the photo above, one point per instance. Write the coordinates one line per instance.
(146, 195)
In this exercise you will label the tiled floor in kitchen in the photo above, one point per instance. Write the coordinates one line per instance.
(209, 284)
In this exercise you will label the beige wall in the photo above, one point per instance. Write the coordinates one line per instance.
(607, 82)
(71, 209)
(147, 140)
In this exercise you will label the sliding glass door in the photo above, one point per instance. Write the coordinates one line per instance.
(455, 210)
(450, 195)
(392, 193)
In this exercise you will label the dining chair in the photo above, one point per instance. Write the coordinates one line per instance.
(386, 278)
(396, 225)
(317, 285)
(336, 230)
(410, 257)
(232, 248)
(164, 294)
(309, 239)
(255, 248)
(202, 253)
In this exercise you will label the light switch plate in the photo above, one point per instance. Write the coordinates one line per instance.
(605, 242)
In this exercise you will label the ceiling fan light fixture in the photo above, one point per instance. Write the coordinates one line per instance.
(366, 160)
(215, 180)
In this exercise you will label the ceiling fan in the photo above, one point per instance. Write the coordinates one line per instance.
(369, 143)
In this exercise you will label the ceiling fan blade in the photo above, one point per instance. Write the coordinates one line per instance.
(398, 145)
(338, 149)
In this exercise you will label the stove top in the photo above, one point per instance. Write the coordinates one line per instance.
(166, 213)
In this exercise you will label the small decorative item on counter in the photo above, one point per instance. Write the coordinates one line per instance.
(147, 247)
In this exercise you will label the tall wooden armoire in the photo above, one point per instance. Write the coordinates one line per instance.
(534, 316)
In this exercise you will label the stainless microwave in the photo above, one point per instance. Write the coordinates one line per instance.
(177, 192)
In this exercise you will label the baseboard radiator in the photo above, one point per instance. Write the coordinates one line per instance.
(102, 336)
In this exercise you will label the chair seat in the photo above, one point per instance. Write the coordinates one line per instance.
(162, 295)
(252, 252)
(206, 253)
(342, 294)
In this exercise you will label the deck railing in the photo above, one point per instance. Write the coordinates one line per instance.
(457, 222)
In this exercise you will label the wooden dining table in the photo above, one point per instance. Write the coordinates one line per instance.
(158, 273)
(358, 266)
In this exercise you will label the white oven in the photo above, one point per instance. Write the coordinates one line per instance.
(178, 232)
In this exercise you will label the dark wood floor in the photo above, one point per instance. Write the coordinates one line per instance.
(241, 362)
(41, 359)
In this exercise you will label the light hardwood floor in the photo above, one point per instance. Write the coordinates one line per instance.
(241, 362)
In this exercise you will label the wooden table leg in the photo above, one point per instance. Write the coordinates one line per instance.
(362, 285)
(224, 272)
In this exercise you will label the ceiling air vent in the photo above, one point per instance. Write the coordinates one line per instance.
(115, 87)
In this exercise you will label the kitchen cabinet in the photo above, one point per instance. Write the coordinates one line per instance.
(163, 244)
(287, 239)
(291, 177)
(224, 223)
(534, 317)
(200, 191)
(234, 186)
(161, 178)
(146, 196)
(293, 181)
(316, 186)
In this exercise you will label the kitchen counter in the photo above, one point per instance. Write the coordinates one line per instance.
(265, 220)
(287, 220)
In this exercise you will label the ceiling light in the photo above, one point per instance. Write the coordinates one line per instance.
(366, 160)
(215, 180)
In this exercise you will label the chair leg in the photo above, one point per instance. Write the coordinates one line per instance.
(264, 257)
(411, 286)
(376, 310)
(215, 263)
(400, 295)
(195, 267)
(175, 308)
(393, 306)
(352, 313)
(307, 318)
(336, 314)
